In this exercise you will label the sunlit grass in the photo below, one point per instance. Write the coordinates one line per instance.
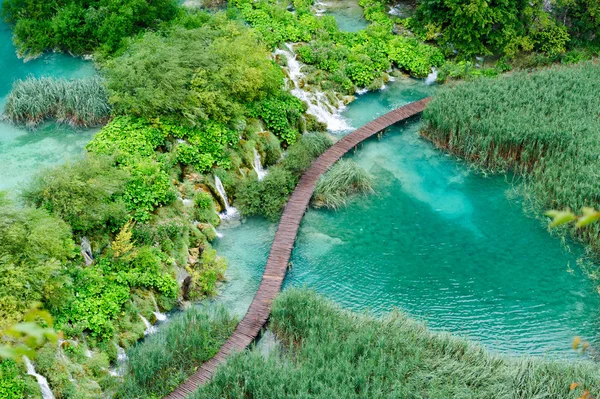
(332, 353)
(79, 102)
(341, 181)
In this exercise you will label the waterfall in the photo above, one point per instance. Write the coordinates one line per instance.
(260, 171)
(159, 316)
(230, 212)
(318, 104)
(86, 251)
(432, 77)
(319, 8)
(150, 329)
(41, 380)
(119, 371)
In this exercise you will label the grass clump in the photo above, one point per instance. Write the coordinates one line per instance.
(162, 361)
(543, 125)
(339, 354)
(78, 102)
(343, 180)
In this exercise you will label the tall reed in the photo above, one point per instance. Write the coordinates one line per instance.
(163, 360)
(343, 180)
(333, 353)
(543, 125)
(78, 102)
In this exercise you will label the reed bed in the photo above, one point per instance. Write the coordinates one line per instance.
(78, 102)
(164, 360)
(332, 353)
(543, 125)
(343, 180)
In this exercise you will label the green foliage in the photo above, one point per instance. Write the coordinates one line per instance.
(12, 385)
(34, 246)
(269, 196)
(280, 114)
(85, 194)
(162, 361)
(346, 58)
(79, 102)
(333, 353)
(341, 181)
(205, 73)
(204, 200)
(148, 188)
(551, 140)
(82, 27)
(22, 339)
(205, 274)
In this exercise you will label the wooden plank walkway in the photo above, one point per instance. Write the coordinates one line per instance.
(277, 263)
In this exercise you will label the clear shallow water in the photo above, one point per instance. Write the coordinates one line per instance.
(437, 240)
(347, 13)
(23, 151)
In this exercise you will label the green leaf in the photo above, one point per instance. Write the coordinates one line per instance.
(560, 217)
(590, 215)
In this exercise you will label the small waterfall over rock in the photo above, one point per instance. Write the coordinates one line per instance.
(230, 211)
(41, 380)
(260, 171)
(150, 329)
(86, 251)
(159, 316)
(318, 104)
(319, 8)
(119, 371)
(432, 77)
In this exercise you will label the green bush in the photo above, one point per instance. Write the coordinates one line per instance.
(204, 200)
(12, 385)
(162, 361)
(332, 353)
(82, 27)
(268, 196)
(85, 194)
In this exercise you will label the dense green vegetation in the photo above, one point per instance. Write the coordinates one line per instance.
(330, 352)
(81, 27)
(159, 363)
(542, 125)
(79, 102)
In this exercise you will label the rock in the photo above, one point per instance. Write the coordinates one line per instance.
(185, 287)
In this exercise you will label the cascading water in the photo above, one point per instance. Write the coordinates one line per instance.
(41, 380)
(119, 371)
(318, 104)
(159, 316)
(86, 251)
(260, 171)
(319, 8)
(230, 211)
(150, 329)
(432, 77)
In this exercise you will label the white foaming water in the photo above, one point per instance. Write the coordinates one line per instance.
(159, 316)
(41, 380)
(432, 77)
(119, 371)
(258, 168)
(230, 211)
(318, 104)
(150, 329)
(319, 8)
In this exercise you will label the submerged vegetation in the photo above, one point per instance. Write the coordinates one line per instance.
(343, 180)
(550, 139)
(330, 352)
(79, 102)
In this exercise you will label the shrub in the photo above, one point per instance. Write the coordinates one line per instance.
(12, 385)
(204, 200)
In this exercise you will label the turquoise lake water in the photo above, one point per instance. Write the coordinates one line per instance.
(24, 151)
(438, 240)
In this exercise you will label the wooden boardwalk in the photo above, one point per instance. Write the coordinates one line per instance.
(260, 308)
